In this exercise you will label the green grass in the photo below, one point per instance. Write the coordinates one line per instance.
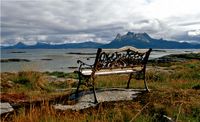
(62, 74)
(57, 74)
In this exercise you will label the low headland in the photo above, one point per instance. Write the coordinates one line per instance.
(174, 81)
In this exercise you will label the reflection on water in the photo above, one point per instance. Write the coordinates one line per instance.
(61, 59)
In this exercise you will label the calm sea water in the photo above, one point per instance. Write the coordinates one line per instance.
(60, 59)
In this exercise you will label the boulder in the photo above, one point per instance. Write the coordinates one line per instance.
(5, 108)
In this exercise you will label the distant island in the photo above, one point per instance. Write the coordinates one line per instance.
(138, 40)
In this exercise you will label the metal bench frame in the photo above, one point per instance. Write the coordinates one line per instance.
(124, 60)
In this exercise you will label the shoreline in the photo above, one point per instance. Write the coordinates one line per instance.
(164, 59)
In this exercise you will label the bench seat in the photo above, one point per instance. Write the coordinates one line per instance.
(88, 72)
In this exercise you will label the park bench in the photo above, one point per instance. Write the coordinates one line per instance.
(125, 60)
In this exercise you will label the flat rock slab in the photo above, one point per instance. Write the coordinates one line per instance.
(5, 108)
(86, 99)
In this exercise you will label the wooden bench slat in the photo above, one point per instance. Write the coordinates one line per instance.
(124, 49)
(113, 71)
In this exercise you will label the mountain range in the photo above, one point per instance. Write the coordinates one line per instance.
(41, 45)
(138, 40)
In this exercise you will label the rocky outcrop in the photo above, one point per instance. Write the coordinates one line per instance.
(5, 108)
(14, 60)
(86, 99)
(176, 58)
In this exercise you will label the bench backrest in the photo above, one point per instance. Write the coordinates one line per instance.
(126, 57)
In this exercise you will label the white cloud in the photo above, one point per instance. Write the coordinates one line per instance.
(98, 20)
(163, 9)
(194, 33)
(42, 37)
(152, 25)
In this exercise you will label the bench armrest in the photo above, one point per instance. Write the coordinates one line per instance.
(83, 64)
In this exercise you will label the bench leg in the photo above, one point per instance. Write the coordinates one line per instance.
(79, 83)
(77, 89)
(130, 76)
(95, 97)
(145, 84)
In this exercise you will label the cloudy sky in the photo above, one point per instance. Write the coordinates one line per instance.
(64, 21)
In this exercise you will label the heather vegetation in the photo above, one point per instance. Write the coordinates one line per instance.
(175, 93)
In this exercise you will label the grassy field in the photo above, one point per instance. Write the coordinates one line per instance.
(175, 92)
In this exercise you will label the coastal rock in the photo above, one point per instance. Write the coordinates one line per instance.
(46, 59)
(14, 60)
(8, 84)
(71, 80)
(50, 79)
(54, 79)
(176, 58)
(18, 52)
(5, 108)
(86, 99)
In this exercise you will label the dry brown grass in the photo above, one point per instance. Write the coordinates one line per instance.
(28, 86)
(180, 105)
(172, 94)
